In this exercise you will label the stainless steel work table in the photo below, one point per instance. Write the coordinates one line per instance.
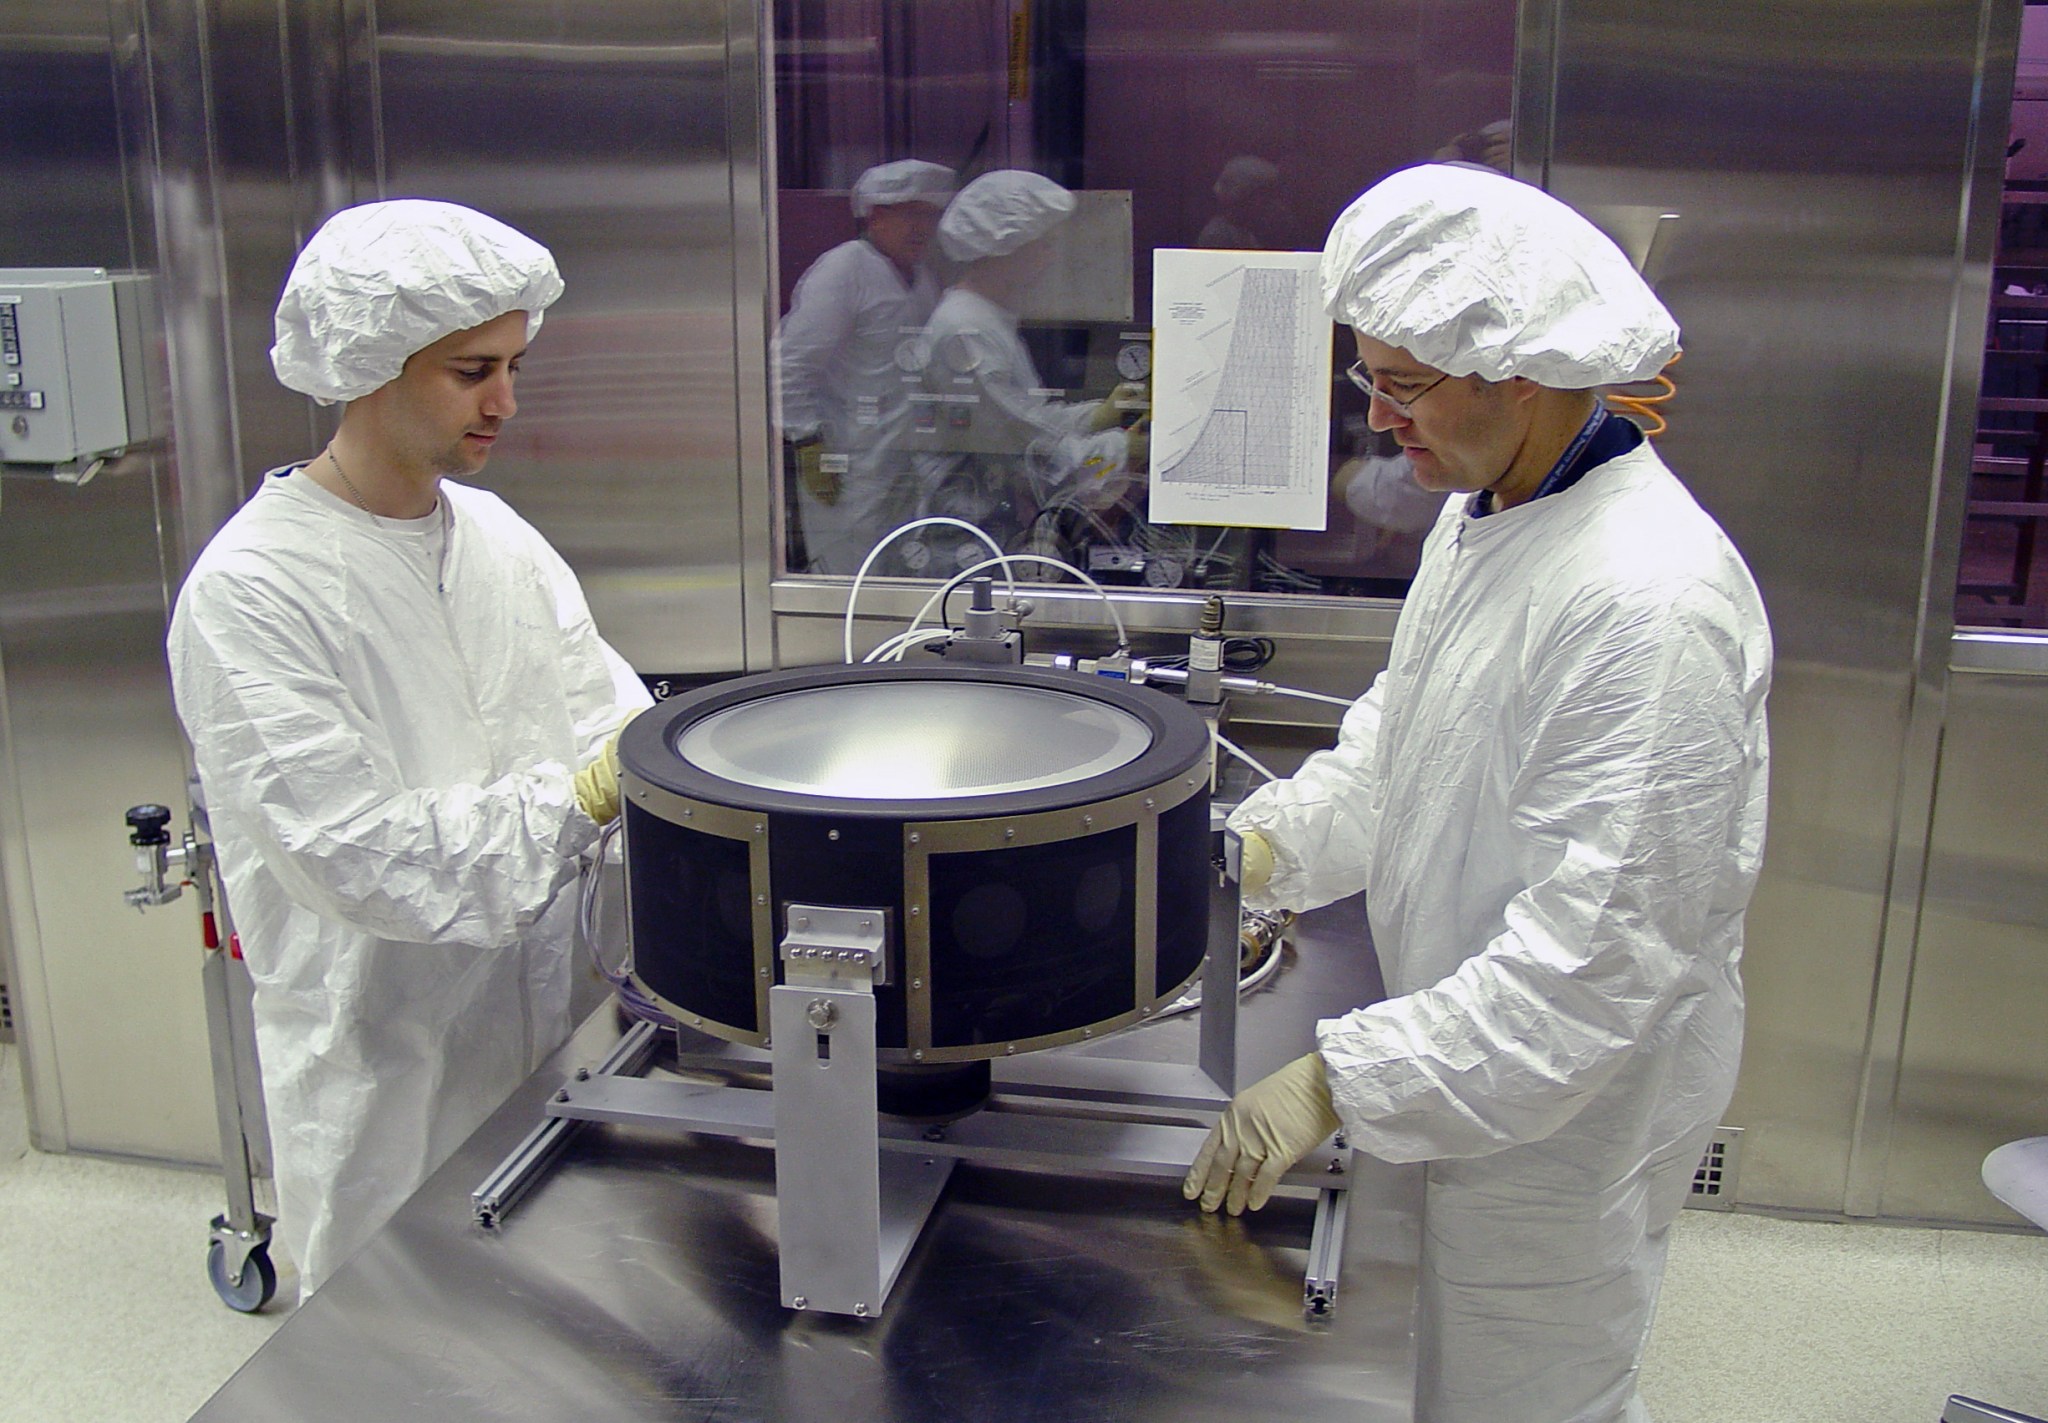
(639, 1281)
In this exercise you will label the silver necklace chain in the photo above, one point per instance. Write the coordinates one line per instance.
(440, 574)
(350, 485)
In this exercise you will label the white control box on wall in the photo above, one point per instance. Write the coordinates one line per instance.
(72, 366)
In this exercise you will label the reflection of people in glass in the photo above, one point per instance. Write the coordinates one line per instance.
(998, 448)
(842, 385)
(1392, 511)
(1250, 211)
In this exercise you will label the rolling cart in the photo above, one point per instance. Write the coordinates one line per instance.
(238, 1262)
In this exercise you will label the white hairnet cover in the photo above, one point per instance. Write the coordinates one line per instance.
(1478, 274)
(381, 281)
(999, 212)
(908, 180)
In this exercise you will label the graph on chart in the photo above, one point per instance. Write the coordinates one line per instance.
(1240, 389)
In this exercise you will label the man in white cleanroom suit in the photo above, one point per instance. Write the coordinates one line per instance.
(390, 681)
(1553, 799)
(1008, 448)
(842, 371)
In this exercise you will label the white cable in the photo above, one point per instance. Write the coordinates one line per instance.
(889, 538)
(1309, 696)
(1240, 753)
(1123, 638)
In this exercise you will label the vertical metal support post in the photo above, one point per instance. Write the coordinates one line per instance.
(828, 1199)
(847, 1218)
(1216, 1054)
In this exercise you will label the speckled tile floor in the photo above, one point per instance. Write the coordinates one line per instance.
(105, 1312)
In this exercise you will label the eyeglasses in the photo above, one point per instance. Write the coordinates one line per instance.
(1403, 408)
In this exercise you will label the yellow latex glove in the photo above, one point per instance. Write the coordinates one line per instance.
(1110, 410)
(597, 784)
(817, 481)
(1268, 1127)
(1254, 863)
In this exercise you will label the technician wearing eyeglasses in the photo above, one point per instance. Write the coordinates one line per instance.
(1553, 799)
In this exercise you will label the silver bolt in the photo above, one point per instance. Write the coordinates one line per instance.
(917, 983)
(687, 813)
(915, 911)
(800, 1303)
(1144, 1012)
(764, 973)
(1010, 832)
(1087, 820)
(915, 837)
(917, 1056)
(695, 1020)
(760, 899)
(1148, 802)
(1009, 1049)
(867, 924)
(860, 1309)
(822, 1013)
(760, 829)
(831, 834)
(1087, 1032)
(1336, 1167)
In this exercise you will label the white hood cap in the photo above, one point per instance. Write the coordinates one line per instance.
(999, 212)
(1478, 274)
(381, 281)
(908, 180)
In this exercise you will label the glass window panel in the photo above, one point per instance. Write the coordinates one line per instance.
(1004, 383)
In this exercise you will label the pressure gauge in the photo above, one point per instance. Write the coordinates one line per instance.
(1134, 360)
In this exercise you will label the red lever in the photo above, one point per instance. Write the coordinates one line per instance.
(208, 933)
(234, 946)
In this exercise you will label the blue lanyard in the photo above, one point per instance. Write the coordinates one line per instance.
(1561, 474)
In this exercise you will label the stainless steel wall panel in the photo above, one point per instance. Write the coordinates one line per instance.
(752, 122)
(1820, 160)
(1973, 1064)
(1978, 220)
(602, 130)
(108, 1003)
(120, 1041)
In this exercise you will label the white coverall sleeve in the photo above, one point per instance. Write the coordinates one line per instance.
(1051, 435)
(1623, 817)
(285, 748)
(604, 692)
(815, 333)
(1319, 821)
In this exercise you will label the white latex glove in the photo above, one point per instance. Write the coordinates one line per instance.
(1266, 1129)
(1254, 864)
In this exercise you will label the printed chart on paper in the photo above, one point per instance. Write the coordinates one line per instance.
(1240, 389)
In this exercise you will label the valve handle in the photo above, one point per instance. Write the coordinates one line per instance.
(146, 824)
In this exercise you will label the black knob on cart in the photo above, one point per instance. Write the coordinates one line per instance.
(146, 824)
